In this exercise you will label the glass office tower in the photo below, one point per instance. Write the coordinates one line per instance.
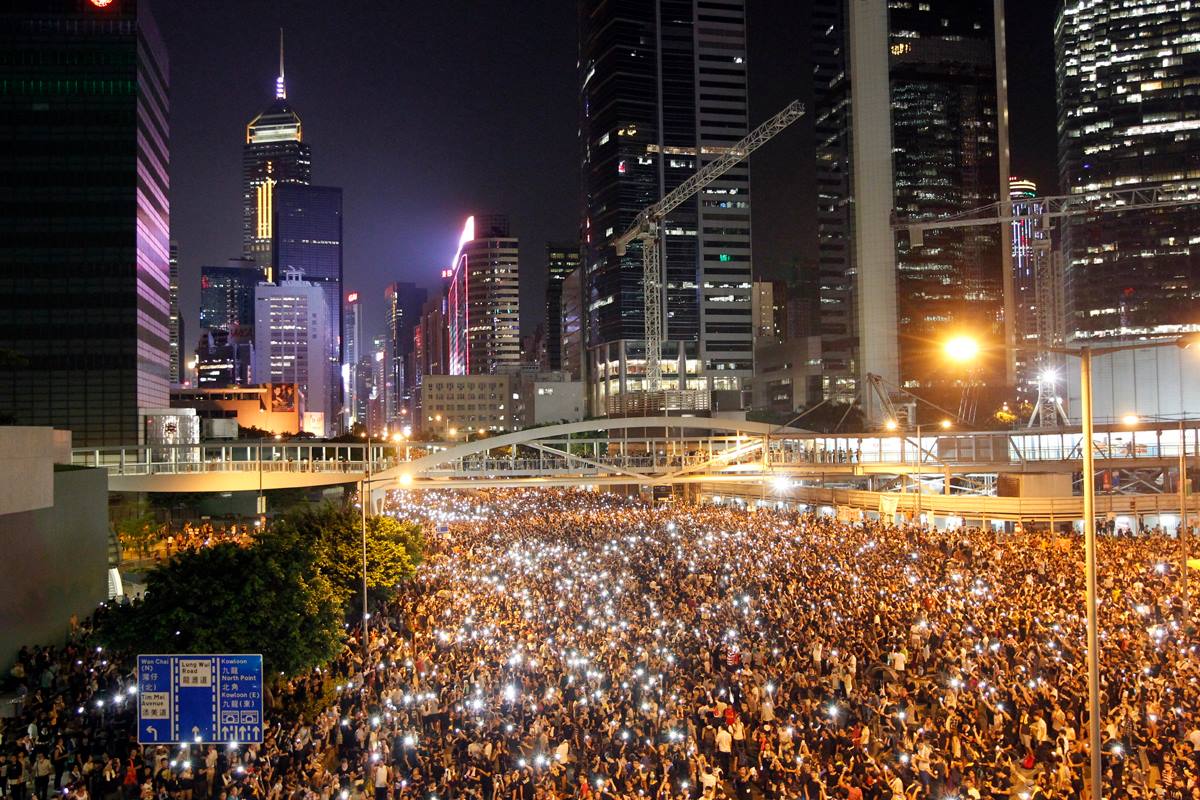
(274, 154)
(562, 258)
(1129, 117)
(662, 92)
(910, 123)
(307, 237)
(84, 217)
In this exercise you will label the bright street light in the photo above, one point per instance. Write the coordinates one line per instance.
(946, 424)
(890, 425)
(962, 349)
(1130, 419)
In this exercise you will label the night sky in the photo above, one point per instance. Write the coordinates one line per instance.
(426, 112)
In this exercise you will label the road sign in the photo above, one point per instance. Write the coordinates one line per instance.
(199, 698)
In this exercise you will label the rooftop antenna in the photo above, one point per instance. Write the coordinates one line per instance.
(280, 89)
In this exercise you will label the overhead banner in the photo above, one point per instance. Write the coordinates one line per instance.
(888, 503)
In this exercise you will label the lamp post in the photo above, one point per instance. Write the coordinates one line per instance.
(362, 504)
(1183, 527)
(964, 348)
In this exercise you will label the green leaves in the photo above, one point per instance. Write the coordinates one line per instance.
(285, 596)
(230, 599)
(394, 548)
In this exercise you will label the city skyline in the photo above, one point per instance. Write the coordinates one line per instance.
(396, 234)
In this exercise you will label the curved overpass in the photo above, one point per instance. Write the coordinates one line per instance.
(639, 450)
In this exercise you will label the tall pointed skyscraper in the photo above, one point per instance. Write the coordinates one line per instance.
(274, 153)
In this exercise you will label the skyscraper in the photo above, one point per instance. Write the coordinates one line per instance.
(1128, 117)
(275, 153)
(84, 217)
(1037, 286)
(663, 91)
(175, 332)
(352, 345)
(483, 304)
(227, 295)
(562, 258)
(403, 302)
(909, 96)
(307, 236)
(291, 341)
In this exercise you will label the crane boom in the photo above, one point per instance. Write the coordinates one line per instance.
(1063, 205)
(645, 227)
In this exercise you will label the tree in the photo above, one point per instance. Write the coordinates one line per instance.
(231, 599)
(136, 529)
(394, 548)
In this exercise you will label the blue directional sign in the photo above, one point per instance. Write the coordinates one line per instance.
(205, 699)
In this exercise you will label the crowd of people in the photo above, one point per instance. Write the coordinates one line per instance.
(573, 644)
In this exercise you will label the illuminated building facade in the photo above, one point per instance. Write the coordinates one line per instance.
(275, 153)
(291, 341)
(572, 322)
(175, 331)
(908, 95)
(562, 258)
(1037, 285)
(307, 237)
(403, 303)
(355, 364)
(663, 91)
(227, 294)
(84, 217)
(483, 301)
(1128, 117)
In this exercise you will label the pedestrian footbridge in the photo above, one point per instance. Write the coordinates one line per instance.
(674, 451)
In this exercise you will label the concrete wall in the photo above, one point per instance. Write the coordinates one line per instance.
(55, 562)
(27, 459)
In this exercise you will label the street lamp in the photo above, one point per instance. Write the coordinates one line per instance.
(362, 503)
(965, 349)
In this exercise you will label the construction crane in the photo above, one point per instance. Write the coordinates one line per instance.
(1048, 410)
(1100, 201)
(647, 229)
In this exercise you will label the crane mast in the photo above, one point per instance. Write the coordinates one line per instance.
(646, 228)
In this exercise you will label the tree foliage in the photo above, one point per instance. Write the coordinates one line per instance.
(136, 528)
(230, 599)
(394, 548)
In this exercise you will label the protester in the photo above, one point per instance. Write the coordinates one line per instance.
(574, 644)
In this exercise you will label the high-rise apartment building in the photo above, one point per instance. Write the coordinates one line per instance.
(307, 237)
(562, 258)
(227, 295)
(84, 217)
(483, 300)
(175, 332)
(1128, 117)
(291, 341)
(662, 92)
(911, 123)
(274, 154)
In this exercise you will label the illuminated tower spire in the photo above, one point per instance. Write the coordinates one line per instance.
(280, 88)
